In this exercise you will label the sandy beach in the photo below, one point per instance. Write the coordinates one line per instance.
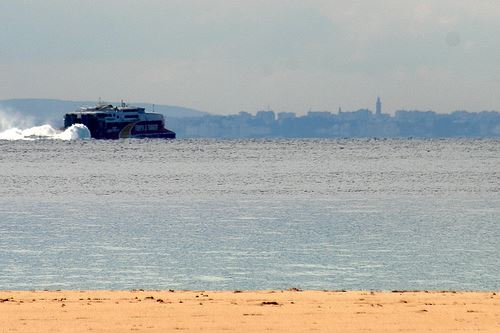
(242, 311)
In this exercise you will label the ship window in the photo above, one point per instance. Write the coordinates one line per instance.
(131, 116)
(139, 128)
(153, 127)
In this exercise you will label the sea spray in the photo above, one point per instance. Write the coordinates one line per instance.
(14, 126)
(75, 132)
(10, 119)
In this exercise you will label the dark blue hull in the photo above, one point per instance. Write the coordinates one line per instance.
(102, 129)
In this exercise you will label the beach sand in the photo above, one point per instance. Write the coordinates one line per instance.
(263, 311)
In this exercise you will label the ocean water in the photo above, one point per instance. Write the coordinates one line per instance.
(250, 214)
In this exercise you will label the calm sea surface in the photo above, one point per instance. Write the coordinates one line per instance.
(316, 214)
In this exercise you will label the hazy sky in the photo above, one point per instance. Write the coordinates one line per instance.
(226, 56)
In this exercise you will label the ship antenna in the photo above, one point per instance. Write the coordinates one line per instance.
(153, 107)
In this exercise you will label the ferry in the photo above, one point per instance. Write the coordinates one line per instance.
(106, 121)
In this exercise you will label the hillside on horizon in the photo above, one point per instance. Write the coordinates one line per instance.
(51, 111)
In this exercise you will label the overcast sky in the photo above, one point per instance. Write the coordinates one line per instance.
(225, 56)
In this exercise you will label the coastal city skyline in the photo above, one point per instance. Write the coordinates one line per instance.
(267, 123)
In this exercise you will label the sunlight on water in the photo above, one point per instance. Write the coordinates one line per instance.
(250, 214)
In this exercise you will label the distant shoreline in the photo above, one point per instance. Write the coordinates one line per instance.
(249, 311)
(191, 123)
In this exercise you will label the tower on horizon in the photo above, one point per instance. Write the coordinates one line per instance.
(378, 111)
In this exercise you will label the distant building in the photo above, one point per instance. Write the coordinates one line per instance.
(378, 108)
(319, 114)
(415, 116)
(358, 115)
(267, 117)
(245, 115)
(286, 115)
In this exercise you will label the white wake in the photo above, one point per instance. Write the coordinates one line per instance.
(75, 132)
